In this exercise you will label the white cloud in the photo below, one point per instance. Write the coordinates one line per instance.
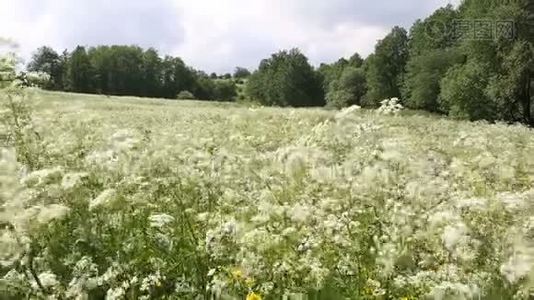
(211, 35)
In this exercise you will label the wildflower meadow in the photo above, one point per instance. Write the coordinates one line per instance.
(128, 198)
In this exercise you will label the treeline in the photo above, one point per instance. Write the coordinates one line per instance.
(128, 70)
(472, 62)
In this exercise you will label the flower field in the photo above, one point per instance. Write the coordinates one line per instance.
(123, 198)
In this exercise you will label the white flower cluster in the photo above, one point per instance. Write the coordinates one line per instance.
(226, 202)
(390, 107)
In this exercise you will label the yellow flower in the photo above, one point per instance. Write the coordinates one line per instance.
(237, 274)
(253, 296)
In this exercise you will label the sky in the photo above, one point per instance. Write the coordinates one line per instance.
(212, 35)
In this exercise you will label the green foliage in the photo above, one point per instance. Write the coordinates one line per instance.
(286, 79)
(348, 90)
(385, 69)
(225, 90)
(8, 65)
(218, 89)
(241, 73)
(48, 61)
(507, 58)
(463, 93)
(151, 73)
(127, 70)
(432, 51)
(177, 76)
(510, 88)
(355, 60)
(435, 32)
(332, 72)
(423, 75)
(80, 72)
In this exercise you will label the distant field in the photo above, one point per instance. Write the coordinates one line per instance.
(176, 199)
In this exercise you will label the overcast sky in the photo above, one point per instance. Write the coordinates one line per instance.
(212, 35)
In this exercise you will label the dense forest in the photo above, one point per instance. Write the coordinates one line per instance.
(474, 61)
(127, 70)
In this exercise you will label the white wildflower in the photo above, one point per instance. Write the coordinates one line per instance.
(300, 213)
(42, 177)
(71, 180)
(47, 280)
(124, 139)
(105, 198)
(346, 112)
(116, 293)
(160, 220)
(520, 264)
(104, 158)
(511, 201)
(455, 290)
(52, 212)
(452, 235)
(390, 107)
(10, 250)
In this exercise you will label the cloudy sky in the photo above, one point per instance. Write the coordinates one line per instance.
(212, 35)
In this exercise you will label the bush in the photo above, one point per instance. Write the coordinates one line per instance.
(185, 95)
(348, 89)
(224, 90)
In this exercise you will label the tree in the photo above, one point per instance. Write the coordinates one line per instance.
(224, 90)
(423, 75)
(356, 60)
(385, 69)
(432, 51)
(463, 93)
(331, 72)
(151, 74)
(241, 73)
(79, 75)
(435, 32)
(46, 60)
(511, 87)
(506, 57)
(176, 77)
(103, 66)
(286, 79)
(348, 89)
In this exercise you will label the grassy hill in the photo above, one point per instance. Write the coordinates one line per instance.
(179, 198)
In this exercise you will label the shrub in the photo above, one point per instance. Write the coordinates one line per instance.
(185, 95)
(348, 89)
